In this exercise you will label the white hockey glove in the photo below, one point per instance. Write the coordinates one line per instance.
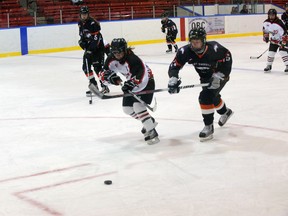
(173, 85)
(215, 80)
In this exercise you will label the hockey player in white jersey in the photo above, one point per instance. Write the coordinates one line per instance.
(139, 77)
(275, 32)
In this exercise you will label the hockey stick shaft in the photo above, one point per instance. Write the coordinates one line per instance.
(87, 71)
(104, 96)
(153, 109)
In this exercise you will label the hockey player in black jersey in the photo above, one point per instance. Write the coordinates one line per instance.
(138, 77)
(284, 16)
(91, 41)
(275, 31)
(213, 63)
(171, 30)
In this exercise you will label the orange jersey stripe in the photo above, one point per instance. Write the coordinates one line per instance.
(207, 107)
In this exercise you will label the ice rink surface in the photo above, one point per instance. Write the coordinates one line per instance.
(56, 150)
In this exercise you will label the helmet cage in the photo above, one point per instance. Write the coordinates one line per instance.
(198, 34)
(118, 45)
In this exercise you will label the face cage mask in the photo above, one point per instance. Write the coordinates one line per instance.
(199, 50)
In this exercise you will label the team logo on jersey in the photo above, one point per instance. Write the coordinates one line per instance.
(215, 47)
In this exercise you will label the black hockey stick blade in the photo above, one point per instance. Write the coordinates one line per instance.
(255, 57)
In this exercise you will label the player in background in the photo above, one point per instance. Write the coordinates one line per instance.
(213, 63)
(284, 16)
(91, 41)
(277, 31)
(138, 77)
(171, 30)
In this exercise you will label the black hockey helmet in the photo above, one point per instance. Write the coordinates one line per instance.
(84, 10)
(164, 17)
(118, 45)
(165, 14)
(198, 33)
(272, 11)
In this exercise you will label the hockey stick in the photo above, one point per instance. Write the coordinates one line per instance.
(107, 96)
(257, 57)
(153, 109)
(87, 69)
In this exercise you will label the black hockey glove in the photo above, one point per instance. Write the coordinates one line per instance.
(266, 37)
(128, 86)
(88, 55)
(82, 44)
(112, 77)
(87, 34)
(163, 29)
(173, 85)
(216, 80)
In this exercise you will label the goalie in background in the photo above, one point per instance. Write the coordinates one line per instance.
(213, 63)
(170, 28)
(138, 77)
(91, 41)
(274, 27)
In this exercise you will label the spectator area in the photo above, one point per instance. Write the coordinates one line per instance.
(18, 13)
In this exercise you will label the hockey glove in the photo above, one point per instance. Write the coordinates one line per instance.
(216, 80)
(88, 55)
(112, 77)
(173, 85)
(128, 86)
(87, 34)
(266, 37)
(82, 44)
(163, 29)
(283, 43)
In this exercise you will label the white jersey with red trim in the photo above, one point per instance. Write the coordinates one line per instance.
(132, 68)
(275, 29)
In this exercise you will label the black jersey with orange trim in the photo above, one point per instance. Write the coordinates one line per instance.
(215, 58)
(171, 27)
(90, 26)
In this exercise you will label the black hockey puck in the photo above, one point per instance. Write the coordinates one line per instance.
(108, 182)
(90, 101)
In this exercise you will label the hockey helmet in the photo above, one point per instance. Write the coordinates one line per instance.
(84, 10)
(197, 34)
(272, 11)
(118, 45)
(164, 17)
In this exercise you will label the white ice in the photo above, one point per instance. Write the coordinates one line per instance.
(56, 150)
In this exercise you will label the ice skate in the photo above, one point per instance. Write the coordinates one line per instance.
(145, 132)
(152, 137)
(224, 118)
(267, 69)
(176, 48)
(169, 51)
(286, 69)
(206, 133)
